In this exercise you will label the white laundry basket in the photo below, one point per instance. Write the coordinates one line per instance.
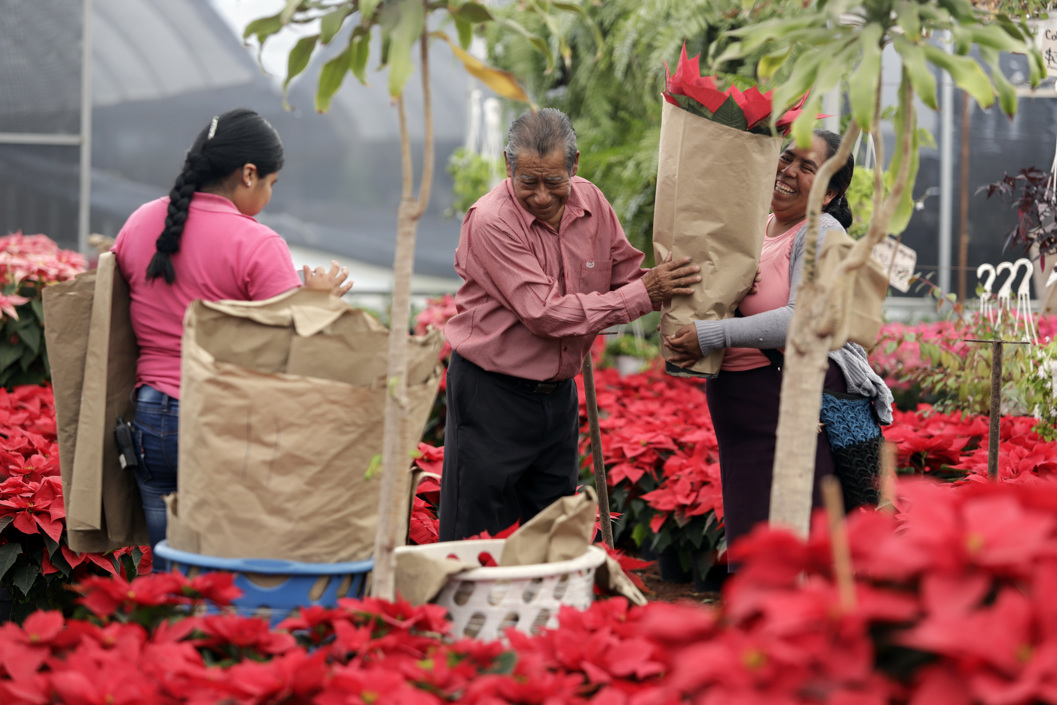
(484, 602)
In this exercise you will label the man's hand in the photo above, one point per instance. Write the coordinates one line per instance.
(684, 346)
(671, 278)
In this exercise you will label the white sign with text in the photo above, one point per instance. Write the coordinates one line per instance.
(898, 260)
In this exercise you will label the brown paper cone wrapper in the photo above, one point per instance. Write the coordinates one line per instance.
(714, 186)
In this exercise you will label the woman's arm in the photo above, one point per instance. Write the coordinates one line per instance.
(763, 331)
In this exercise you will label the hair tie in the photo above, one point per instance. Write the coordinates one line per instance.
(213, 127)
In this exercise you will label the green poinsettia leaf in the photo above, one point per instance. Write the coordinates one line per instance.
(731, 115)
(9, 553)
(692, 106)
(23, 577)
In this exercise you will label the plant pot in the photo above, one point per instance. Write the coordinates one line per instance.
(628, 365)
(712, 580)
(5, 606)
(671, 567)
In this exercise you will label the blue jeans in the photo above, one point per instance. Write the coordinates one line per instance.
(155, 426)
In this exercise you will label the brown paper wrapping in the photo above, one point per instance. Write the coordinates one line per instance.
(92, 352)
(714, 186)
(561, 532)
(861, 296)
(281, 414)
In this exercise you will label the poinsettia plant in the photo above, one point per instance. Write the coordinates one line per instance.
(36, 564)
(747, 110)
(28, 263)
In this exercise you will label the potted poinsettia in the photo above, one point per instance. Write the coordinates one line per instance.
(28, 263)
(715, 174)
(630, 353)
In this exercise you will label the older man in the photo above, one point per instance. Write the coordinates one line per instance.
(546, 268)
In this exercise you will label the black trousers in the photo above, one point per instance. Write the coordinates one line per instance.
(744, 409)
(509, 451)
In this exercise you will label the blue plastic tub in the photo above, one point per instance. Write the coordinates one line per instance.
(274, 588)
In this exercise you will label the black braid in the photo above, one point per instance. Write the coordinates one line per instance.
(168, 242)
(231, 140)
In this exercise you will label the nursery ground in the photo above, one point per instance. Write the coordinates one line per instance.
(665, 591)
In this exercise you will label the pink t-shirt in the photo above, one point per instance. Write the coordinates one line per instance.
(772, 292)
(223, 255)
(533, 299)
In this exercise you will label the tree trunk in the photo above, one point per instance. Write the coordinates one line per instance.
(396, 475)
(803, 375)
(395, 498)
(815, 319)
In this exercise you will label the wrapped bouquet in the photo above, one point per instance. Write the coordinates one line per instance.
(715, 176)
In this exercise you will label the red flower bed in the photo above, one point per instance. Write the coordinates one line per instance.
(35, 562)
(949, 602)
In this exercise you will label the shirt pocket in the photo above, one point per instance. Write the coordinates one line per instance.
(596, 276)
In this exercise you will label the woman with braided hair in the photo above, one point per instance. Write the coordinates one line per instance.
(200, 242)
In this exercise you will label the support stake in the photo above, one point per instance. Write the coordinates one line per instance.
(601, 484)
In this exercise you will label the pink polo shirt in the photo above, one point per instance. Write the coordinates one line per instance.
(772, 292)
(533, 299)
(223, 255)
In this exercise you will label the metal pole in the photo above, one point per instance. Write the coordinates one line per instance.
(946, 176)
(84, 210)
(996, 410)
(601, 484)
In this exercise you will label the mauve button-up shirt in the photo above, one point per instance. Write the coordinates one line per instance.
(533, 300)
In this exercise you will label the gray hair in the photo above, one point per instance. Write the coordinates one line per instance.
(542, 132)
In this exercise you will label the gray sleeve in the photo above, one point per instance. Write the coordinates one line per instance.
(768, 329)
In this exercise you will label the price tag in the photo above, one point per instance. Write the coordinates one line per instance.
(1046, 41)
(905, 258)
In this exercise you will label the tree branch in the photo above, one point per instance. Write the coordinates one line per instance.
(426, 183)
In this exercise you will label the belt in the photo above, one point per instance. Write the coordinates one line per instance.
(532, 385)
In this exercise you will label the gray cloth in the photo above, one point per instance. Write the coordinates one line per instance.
(768, 330)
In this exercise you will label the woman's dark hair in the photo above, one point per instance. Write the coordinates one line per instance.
(840, 181)
(227, 143)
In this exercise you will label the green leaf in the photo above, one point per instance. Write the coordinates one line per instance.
(31, 335)
(9, 553)
(38, 308)
(330, 23)
(908, 18)
(263, 28)
(536, 41)
(569, 7)
(359, 52)
(805, 123)
(23, 577)
(1007, 94)
(330, 78)
(770, 63)
(996, 37)
(403, 23)
(474, 13)
(367, 8)
(905, 209)
(10, 354)
(298, 60)
(863, 82)
(730, 114)
(289, 10)
(373, 467)
(917, 67)
(465, 31)
(796, 85)
(966, 73)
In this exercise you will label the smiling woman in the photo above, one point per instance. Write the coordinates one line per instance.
(744, 398)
